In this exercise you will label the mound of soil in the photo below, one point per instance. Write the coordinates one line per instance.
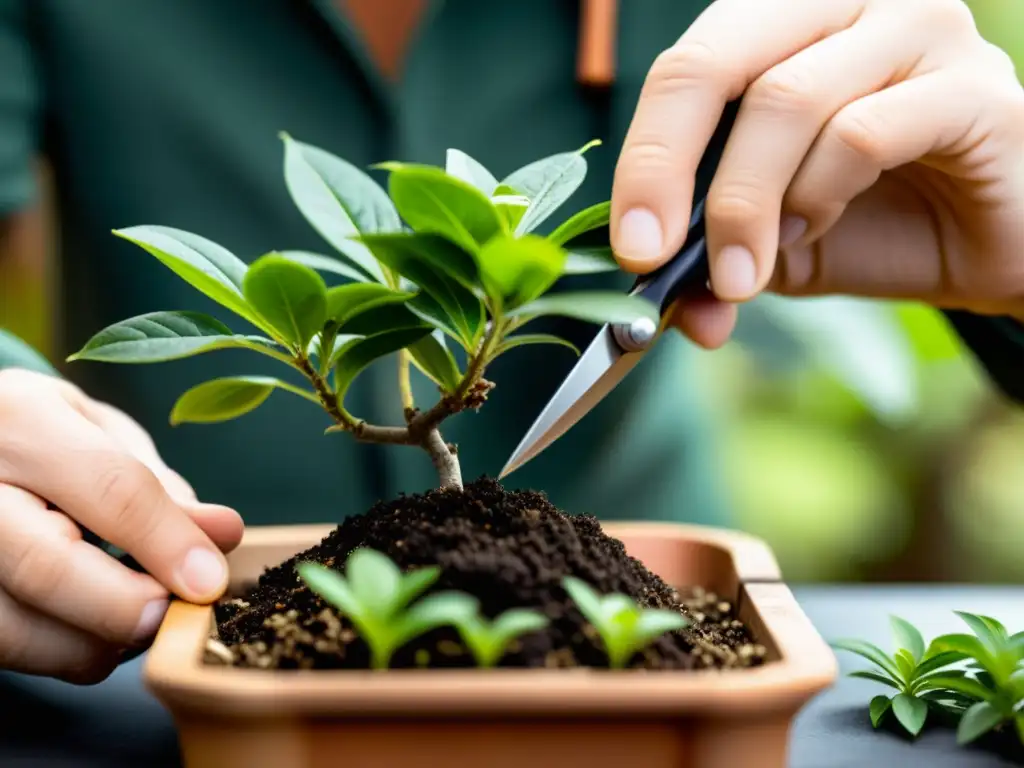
(509, 550)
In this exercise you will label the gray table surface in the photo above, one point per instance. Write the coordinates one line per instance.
(118, 725)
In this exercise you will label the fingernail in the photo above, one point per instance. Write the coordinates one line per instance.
(736, 275)
(150, 620)
(640, 237)
(203, 573)
(791, 229)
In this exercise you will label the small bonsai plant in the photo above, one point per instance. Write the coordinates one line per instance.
(977, 678)
(449, 257)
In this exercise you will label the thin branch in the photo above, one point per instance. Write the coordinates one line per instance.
(445, 461)
(405, 385)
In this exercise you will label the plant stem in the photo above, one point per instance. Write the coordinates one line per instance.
(405, 385)
(445, 461)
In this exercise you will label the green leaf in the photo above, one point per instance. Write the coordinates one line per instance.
(905, 662)
(374, 580)
(865, 674)
(963, 685)
(429, 311)
(432, 201)
(462, 166)
(228, 398)
(515, 622)
(548, 183)
(582, 222)
(655, 622)
(877, 709)
(510, 205)
(977, 721)
(339, 201)
(991, 633)
(436, 362)
(458, 307)
(331, 586)
(871, 652)
(437, 610)
(357, 355)
(935, 661)
(518, 270)
(290, 296)
(210, 269)
(345, 302)
(1018, 721)
(15, 353)
(968, 645)
(910, 711)
(159, 336)
(409, 253)
(590, 260)
(587, 600)
(415, 583)
(591, 306)
(383, 317)
(907, 637)
(325, 264)
(523, 339)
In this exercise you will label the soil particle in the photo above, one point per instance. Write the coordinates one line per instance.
(509, 550)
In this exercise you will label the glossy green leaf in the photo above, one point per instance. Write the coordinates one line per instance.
(877, 709)
(511, 205)
(462, 166)
(432, 201)
(345, 302)
(524, 339)
(548, 183)
(160, 336)
(517, 621)
(590, 260)
(964, 685)
(488, 641)
(905, 662)
(654, 623)
(936, 660)
(865, 674)
(228, 398)
(582, 222)
(15, 353)
(209, 268)
(586, 599)
(437, 610)
(409, 253)
(991, 632)
(326, 264)
(436, 362)
(872, 653)
(339, 200)
(518, 270)
(290, 296)
(977, 721)
(374, 580)
(415, 583)
(591, 306)
(459, 309)
(428, 310)
(331, 586)
(908, 637)
(381, 318)
(910, 711)
(968, 645)
(357, 355)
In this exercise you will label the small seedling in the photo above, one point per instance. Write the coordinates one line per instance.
(375, 595)
(993, 689)
(625, 627)
(911, 671)
(446, 258)
(489, 640)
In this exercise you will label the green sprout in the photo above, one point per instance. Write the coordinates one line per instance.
(489, 640)
(445, 258)
(375, 595)
(992, 691)
(911, 670)
(625, 627)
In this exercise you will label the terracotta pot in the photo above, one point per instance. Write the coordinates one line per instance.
(241, 718)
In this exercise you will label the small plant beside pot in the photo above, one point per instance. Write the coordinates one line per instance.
(443, 271)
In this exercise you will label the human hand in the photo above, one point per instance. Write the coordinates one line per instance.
(878, 152)
(67, 609)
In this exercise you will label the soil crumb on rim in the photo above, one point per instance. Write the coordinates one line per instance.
(509, 550)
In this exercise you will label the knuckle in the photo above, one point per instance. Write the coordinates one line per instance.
(647, 156)
(36, 575)
(860, 132)
(735, 202)
(125, 491)
(784, 88)
(684, 66)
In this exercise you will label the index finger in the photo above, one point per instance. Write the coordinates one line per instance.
(73, 464)
(682, 100)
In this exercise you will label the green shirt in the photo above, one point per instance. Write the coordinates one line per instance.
(157, 112)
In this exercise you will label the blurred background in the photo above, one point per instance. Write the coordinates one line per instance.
(863, 443)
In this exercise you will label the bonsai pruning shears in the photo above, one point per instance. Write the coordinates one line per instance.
(618, 348)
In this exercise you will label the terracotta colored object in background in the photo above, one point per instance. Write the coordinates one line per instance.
(243, 718)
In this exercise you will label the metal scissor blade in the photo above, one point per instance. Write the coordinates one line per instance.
(601, 367)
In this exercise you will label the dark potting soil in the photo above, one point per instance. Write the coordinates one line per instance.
(509, 550)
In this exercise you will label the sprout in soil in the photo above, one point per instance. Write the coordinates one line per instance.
(448, 256)
(984, 695)
(625, 627)
(489, 640)
(375, 595)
